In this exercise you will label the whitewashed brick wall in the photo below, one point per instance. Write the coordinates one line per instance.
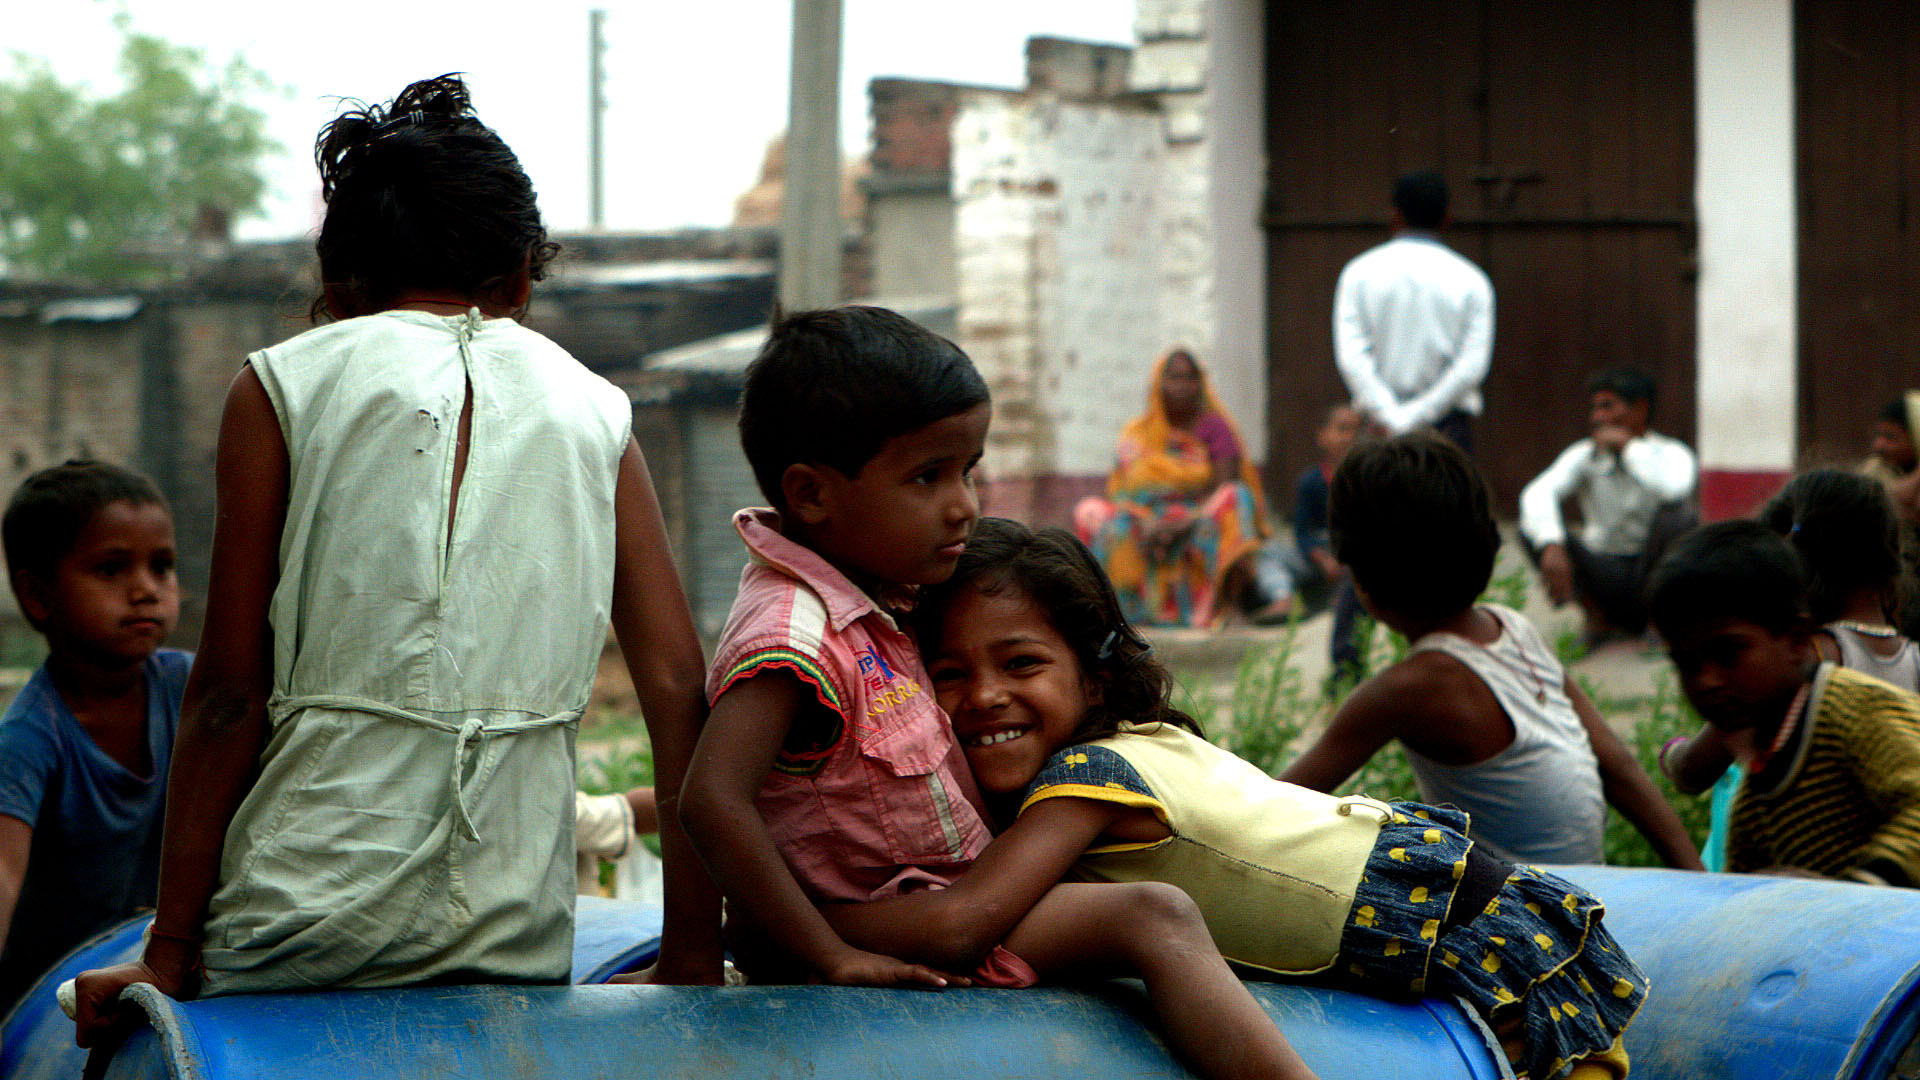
(1088, 243)
(1058, 247)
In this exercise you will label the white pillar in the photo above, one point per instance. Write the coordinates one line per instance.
(810, 209)
(1237, 181)
(1748, 315)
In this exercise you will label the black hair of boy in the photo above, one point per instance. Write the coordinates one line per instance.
(421, 195)
(1895, 412)
(1847, 532)
(1731, 570)
(1062, 579)
(831, 386)
(50, 508)
(1630, 385)
(1412, 519)
(1421, 197)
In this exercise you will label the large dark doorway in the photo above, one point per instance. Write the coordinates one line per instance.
(1565, 130)
(1858, 145)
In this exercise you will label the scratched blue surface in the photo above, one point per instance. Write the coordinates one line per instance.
(573, 1033)
(1753, 977)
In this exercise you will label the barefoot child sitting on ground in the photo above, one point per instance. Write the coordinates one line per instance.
(85, 744)
(1490, 720)
(1065, 718)
(827, 774)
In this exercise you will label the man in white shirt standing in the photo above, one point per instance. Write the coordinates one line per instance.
(1413, 321)
(1635, 491)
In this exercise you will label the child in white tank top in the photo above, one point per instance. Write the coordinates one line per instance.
(1489, 719)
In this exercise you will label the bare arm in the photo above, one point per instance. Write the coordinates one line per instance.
(1630, 790)
(735, 753)
(1075, 932)
(1366, 721)
(954, 928)
(662, 651)
(1696, 764)
(16, 843)
(223, 715)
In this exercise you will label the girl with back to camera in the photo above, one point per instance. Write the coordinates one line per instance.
(1065, 719)
(427, 516)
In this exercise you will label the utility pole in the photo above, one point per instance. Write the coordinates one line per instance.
(810, 210)
(596, 115)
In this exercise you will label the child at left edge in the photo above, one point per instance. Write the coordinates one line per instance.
(1066, 721)
(84, 746)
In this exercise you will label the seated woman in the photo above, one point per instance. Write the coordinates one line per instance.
(1183, 509)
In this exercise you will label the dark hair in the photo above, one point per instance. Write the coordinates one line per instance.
(1421, 198)
(1417, 485)
(1895, 412)
(421, 195)
(50, 508)
(1731, 570)
(1630, 385)
(832, 386)
(1847, 533)
(1057, 572)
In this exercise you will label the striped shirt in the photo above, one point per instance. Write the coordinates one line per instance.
(1849, 803)
(870, 795)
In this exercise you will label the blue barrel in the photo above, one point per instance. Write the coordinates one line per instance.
(577, 1032)
(1758, 978)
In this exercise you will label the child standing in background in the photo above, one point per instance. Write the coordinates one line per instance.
(827, 774)
(84, 746)
(427, 516)
(1292, 573)
(1490, 720)
(1066, 722)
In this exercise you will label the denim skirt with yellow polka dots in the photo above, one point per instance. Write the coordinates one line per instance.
(1537, 956)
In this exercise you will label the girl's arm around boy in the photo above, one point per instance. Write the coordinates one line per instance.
(735, 754)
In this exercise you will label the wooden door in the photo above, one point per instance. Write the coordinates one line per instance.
(1565, 131)
(1858, 149)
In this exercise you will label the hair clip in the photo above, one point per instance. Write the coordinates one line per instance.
(1116, 638)
(415, 116)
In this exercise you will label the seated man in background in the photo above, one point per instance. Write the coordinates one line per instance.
(1635, 491)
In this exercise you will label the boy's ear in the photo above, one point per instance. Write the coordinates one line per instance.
(804, 489)
(35, 604)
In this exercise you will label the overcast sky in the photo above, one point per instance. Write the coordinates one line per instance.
(695, 88)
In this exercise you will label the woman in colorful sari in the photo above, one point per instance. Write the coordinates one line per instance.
(1183, 509)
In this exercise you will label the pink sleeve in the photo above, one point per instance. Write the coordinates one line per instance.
(1222, 443)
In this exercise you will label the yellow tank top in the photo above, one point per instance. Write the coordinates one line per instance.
(1273, 866)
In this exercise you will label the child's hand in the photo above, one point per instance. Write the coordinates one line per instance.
(99, 1017)
(856, 968)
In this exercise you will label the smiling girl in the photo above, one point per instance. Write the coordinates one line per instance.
(1065, 719)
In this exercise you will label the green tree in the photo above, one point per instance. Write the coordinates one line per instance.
(104, 189)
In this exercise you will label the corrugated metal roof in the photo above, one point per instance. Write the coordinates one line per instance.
(92, 309)
(729, 354)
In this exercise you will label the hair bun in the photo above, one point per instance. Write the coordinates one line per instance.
(346, 139)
